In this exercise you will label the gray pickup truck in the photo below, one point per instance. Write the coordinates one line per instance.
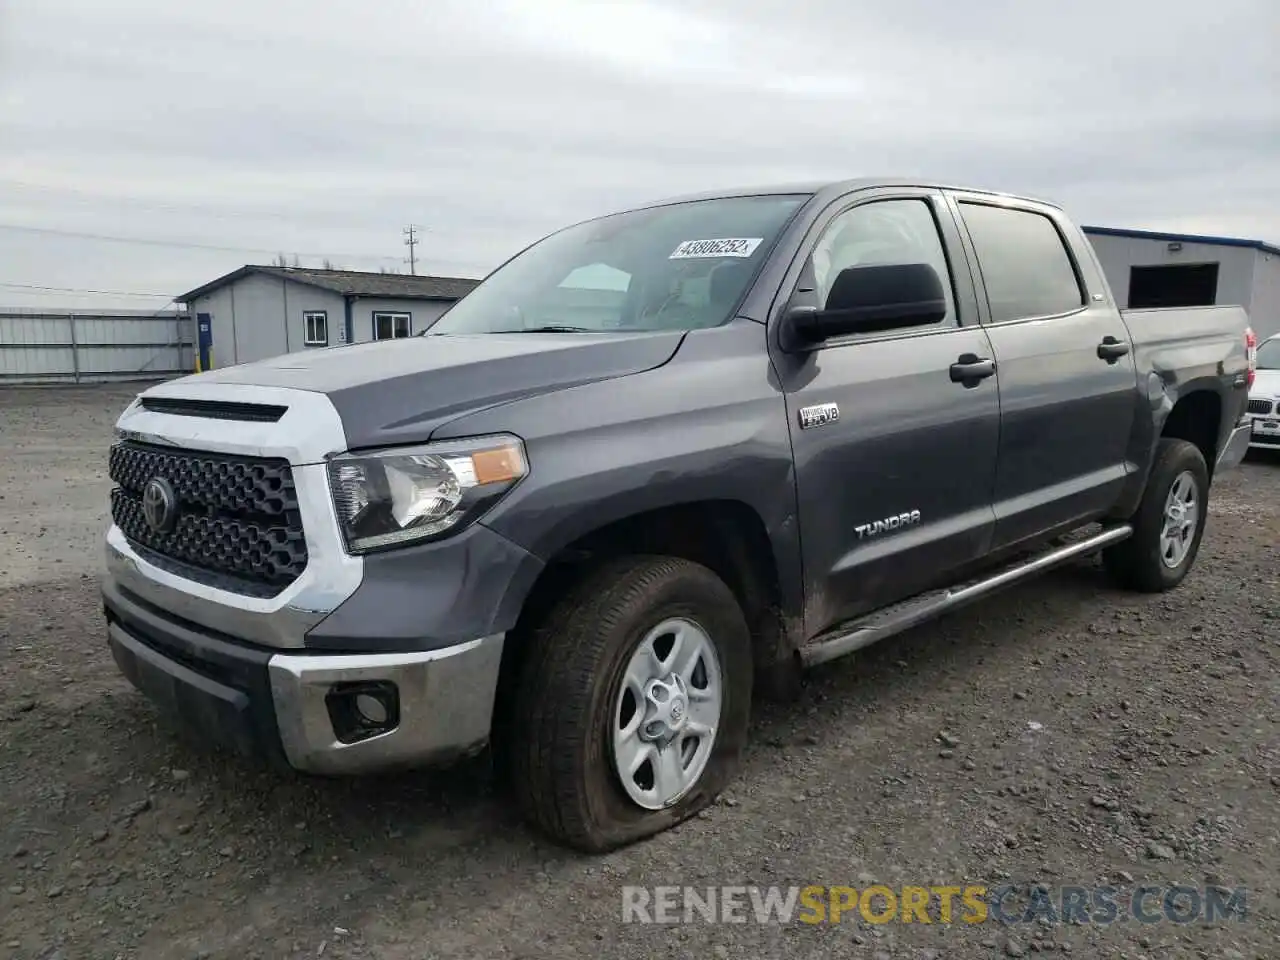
(654, 466)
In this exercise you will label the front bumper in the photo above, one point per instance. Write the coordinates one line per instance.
(276, 676)
(1264, 439)
(445, 700)
(278, 706)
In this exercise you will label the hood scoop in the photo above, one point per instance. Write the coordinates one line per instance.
(215, 409)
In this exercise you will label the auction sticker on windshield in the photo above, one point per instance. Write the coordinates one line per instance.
(733, 247)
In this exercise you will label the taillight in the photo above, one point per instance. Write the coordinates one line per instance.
(1251, 355)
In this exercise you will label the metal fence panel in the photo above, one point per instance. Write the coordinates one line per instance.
(42, 346)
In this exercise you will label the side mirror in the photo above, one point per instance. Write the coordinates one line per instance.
(872, 298)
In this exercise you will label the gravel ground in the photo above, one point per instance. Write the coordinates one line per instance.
(1061, 733)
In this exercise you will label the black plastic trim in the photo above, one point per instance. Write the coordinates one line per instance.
(215, 409)
(219, 687)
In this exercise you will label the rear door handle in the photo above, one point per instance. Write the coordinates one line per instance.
(971, 368)
(1111, 349)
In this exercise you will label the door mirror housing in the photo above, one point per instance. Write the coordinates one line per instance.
(872, 298)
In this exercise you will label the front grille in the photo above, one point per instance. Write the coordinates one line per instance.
(1259, 406)
(1269, 439)
(238, 525)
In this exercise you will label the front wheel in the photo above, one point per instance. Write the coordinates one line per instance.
(632, 708)
(1168, 524)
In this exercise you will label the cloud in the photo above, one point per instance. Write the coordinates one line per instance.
(324, 127)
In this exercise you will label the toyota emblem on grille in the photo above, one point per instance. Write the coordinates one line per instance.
(159, 505)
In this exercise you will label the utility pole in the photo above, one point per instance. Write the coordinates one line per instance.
(411, 241)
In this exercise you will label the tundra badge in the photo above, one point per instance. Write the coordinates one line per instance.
(899, 522)
(819, 415)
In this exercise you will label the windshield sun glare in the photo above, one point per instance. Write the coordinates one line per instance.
(678, 266)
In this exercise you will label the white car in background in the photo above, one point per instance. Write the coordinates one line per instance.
(1264, 397)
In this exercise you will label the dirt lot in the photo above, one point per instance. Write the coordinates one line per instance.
(1092, 737)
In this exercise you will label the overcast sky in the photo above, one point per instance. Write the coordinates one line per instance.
(210, 135)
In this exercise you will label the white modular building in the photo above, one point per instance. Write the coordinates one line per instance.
(257, 312)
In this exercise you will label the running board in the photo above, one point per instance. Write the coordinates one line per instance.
(848, 637)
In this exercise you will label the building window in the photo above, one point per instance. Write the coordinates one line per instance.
(392, 326)
(316, 324)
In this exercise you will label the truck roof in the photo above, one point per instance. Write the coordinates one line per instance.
(835, 188)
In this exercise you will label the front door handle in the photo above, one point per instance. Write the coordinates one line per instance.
(1111, 349)
(971, 368)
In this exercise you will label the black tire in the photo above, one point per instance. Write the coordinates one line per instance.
(561, 766)
(1136, 563)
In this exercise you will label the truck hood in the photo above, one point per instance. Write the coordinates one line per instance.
(1266, 384)
(400, 391)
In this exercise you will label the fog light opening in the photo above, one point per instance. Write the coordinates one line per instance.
(372, 710)
(359, 711)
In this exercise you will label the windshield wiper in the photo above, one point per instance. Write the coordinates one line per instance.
(548, 328)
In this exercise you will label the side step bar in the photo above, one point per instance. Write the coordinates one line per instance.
(874, 627)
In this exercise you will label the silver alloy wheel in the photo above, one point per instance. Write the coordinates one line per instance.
(1181, 515)
(667, 713)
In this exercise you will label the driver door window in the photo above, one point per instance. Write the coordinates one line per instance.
(883, 232)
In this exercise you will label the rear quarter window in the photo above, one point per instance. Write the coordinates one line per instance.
(1024, 262)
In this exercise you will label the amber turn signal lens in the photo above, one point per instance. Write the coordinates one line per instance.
(498, 466)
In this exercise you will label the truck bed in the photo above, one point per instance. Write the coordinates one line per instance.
(1184, 344)
(1156, 327)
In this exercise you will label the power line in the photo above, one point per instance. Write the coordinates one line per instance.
(411, 241)
(186, 244)
(38, 288)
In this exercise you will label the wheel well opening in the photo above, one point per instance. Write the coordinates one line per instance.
(1196, 418)
(726, 536)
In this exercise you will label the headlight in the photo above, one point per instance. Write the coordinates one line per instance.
(393, 497)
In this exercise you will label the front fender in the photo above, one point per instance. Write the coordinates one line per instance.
(710, 425)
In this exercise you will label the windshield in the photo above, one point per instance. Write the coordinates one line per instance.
(1269, 355)
(674, 267)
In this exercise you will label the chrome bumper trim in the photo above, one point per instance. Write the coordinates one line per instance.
(1237, 444)
(446, 702)
(310, 429)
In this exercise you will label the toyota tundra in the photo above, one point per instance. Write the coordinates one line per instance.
(652, 467)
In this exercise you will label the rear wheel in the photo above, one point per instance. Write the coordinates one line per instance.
(632, 707)
(1168, 524)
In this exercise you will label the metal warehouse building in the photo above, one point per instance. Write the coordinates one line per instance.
(1147, 269)
(257, 312)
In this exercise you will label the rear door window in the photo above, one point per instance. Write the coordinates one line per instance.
(1025, 265)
